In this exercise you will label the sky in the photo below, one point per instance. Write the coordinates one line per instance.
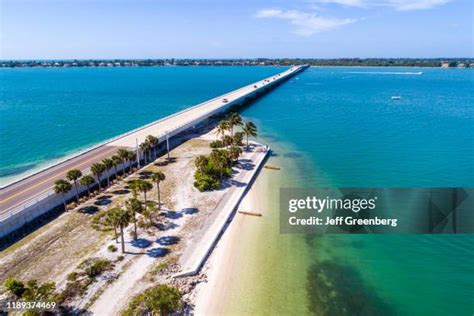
(84, 29)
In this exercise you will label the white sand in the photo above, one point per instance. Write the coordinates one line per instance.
(209, 297)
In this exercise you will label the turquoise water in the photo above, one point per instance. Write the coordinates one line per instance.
(339, 125)
(46, 114)
(343, 129)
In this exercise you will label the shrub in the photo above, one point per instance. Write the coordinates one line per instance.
(159, 300)
(15, 286)
(227, 140)
(238, 138)
(94, 266)
(112, 248)
(120, 258)
(99, 267)
(217, 144)
(206, 182)
(72, 276)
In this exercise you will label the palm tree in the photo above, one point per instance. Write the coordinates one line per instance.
(235, 152)
(73, 175)
(222, 127)
(249, 129)
(62, 187)
(87, 181)
(121, 219)
(220, 157)
(134, 206)
(145, 148)
(123, 155)
(97, 169)
(108, 164)
(131, 156)
(111, 220)
(134, 186)
(144, 186)
(234, 120)
(157, 177)
(153, 141)
(116, 160)
(150, 209)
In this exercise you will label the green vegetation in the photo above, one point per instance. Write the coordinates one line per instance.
(120, 218)
(157, 177)
(74, 175)
(249, 130)
(94, 267)
(217, 144)
(31, 291)
(108, 164)
(15, 287)
(85, 274)
(62, 187)
(212, 170)
(97, 169)
(134, 206)
(87, 181)
(234, 120)
(158, 300)
(112, 248)
(398, 62)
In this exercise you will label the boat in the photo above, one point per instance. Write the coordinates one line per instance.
(396, 97)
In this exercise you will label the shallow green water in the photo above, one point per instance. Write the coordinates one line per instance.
(342, 129)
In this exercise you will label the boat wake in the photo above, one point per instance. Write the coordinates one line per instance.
(386, 73)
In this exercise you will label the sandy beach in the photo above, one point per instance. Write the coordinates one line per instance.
(220, 268)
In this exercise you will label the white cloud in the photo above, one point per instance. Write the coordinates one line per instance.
(349, 3)
(400, 5)
(407, 5)
(306, 23)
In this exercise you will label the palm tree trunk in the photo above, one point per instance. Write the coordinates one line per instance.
(115, 171)
(158, 192)
(98, 182)
(154, 152)
(64, 203)
(135, 225)
(121, 238)
(115, 233)
(247, 142)
(77, 192)
(108, 178)
(88, 191)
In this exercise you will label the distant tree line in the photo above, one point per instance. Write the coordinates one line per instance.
(382, 62)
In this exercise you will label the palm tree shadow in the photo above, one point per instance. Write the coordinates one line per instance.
(157, 252)
(166, 226)
(190, 210)
(141, 243)
(168, 240)
(90, 209)
(120, 192)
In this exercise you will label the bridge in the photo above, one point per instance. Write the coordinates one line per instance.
(31, 196)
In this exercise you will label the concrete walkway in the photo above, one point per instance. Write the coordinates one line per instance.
(194, 258)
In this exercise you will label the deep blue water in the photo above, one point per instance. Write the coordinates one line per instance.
(46, 114)
(347, 125)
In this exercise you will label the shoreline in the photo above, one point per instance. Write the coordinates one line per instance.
(253, 258)
(210, 296)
